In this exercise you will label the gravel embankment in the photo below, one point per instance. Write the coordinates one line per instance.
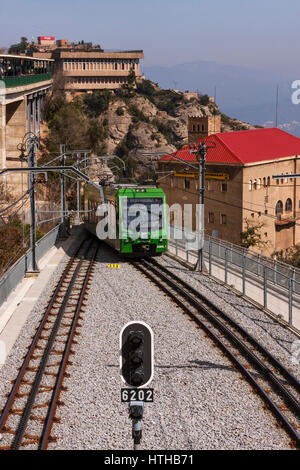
(275, 337)
(200, 401)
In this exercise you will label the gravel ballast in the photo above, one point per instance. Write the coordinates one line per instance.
(200, 400)
(276, 338)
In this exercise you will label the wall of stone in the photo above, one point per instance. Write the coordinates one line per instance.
(200, 127)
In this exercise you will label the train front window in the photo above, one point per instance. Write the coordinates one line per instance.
(143, 214)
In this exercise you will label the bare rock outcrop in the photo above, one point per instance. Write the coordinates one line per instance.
(151, 119)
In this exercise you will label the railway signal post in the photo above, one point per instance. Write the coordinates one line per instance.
(136, 363)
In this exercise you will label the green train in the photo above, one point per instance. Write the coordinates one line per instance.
(130, 218)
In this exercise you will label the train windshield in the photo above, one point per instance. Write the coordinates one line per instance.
(143, 214)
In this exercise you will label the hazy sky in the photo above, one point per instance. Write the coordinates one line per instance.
(256, 33)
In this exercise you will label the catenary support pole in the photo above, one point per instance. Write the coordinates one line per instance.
(63, 231)
(33, 267)
(201, 158)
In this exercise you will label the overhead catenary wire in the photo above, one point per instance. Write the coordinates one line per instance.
(264, 205)
(228, 203)
(15, 202)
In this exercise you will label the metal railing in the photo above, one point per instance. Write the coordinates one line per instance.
(26, 79)
(278, 272)
(267, 271)
(10, 280)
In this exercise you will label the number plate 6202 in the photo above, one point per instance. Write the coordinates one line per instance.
(137, 394)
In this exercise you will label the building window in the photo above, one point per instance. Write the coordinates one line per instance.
(268, 181)
(250, 185)
(288, 205)
(279, 208)
(211, 217)
(264, 182)
(187, 184)
(224, 187)
(223, 219)
(254, 184)
(259, 183)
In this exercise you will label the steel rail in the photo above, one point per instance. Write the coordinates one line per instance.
(277, 364)
(148, 269)
(43, 445)
(46, 353)
(19, 378)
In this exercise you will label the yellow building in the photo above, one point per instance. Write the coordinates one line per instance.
(239, 186)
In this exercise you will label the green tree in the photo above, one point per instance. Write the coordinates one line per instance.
(68, 125)
(126, 90)
(131, 79)
(251, 236)
(23, 44)
(97, 134)
(146, 87)
(204, 100)
(291, 256)
(97, 102)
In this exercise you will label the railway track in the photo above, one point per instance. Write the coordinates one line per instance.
(277, 386)
(27, 418)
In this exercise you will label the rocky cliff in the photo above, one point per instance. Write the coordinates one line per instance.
(149, 118)
(136, 118)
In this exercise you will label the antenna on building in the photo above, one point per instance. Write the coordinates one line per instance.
(276, 108)
(215, 100)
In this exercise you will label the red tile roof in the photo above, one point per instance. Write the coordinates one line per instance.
(241, 147)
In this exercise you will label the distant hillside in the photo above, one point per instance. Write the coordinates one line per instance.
(242, 92)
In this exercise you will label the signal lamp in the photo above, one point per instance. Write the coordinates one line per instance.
(136, 358)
